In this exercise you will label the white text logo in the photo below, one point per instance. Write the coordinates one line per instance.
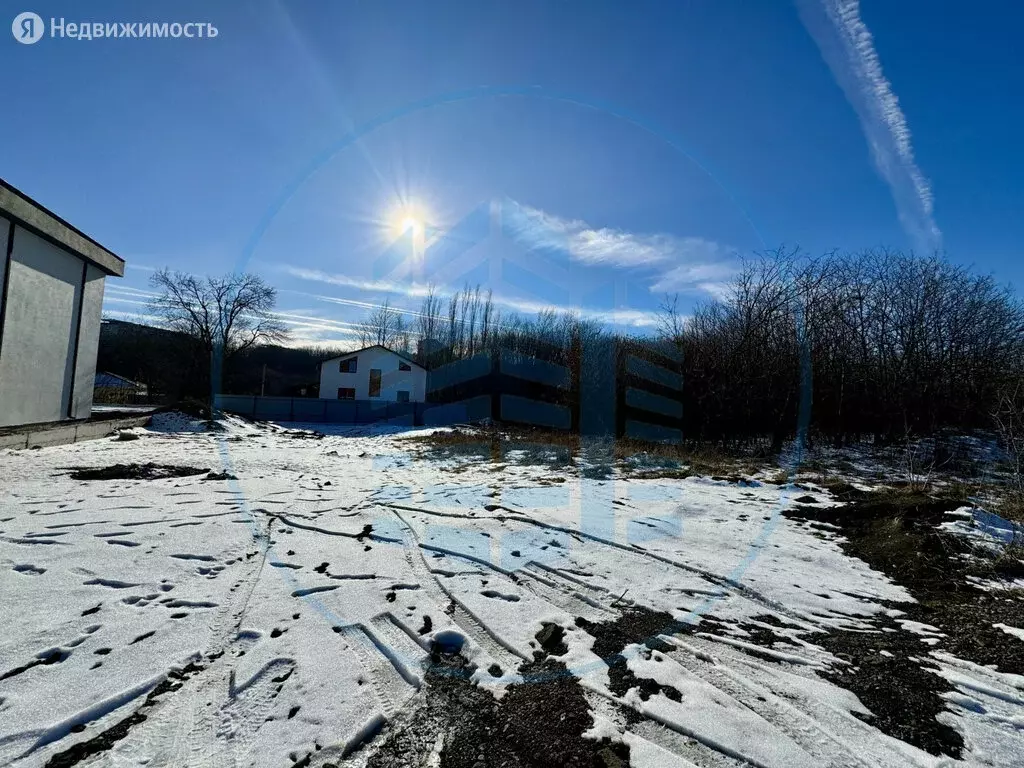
(28, 28)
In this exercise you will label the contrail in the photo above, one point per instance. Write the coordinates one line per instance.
(848, 48)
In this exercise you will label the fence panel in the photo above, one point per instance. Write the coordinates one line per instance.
(322, 411)
(273, 408)
(648, 401)
(533, 369)
(309, 409)
(241, 404)
(535, 412)
(649, 386)
(653, 372)
(340, 412)
(459, 372)
(460, 412)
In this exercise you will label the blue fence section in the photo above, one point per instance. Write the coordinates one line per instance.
(649, 391)
(460, 412)
(459, 372)
(608, 387)
(648, 401)
(506, 386)
(534, 369)
(317, 411)
(652, 372)
(536, 412)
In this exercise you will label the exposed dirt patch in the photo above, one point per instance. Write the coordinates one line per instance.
(302, 434)
(538, 724)
(763, 635)
(220, 476)
(552, 640)
(636, 626)
(891, 674)
(148, 471)
(896, 532)
(106, 739)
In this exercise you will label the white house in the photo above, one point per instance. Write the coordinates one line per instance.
(373, 373)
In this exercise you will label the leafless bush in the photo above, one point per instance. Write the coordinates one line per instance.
(1008, 417)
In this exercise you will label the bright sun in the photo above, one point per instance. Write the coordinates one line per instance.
(406, 220)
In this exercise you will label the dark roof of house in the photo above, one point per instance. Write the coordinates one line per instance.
(16, 205)
(401, 355)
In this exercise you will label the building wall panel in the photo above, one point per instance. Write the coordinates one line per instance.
(40, 318)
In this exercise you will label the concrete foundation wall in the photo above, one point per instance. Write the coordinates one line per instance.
(4, 227)
(38, 376)
(88, 343)
(72, 433)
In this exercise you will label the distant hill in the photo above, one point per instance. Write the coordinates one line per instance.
(167, 362)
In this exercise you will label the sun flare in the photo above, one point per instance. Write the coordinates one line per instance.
(407, 220)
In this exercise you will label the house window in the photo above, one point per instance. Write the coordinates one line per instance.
(348, 366)
(346, 393)
(374, 382)
(403, 396)
(404, 367)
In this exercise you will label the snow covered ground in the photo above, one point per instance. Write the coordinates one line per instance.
(285, 613)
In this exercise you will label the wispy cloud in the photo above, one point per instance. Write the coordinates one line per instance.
(849, 50)
(709, 277)
(666, 263)
(623, 316)
(127, 290)
(604, 246)
(415, 290)
(671, 263)
(636, 318)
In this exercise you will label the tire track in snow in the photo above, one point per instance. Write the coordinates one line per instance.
(506, 655)
(716, 665)
(724, 582)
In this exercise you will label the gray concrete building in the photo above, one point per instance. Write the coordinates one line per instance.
(50, 305)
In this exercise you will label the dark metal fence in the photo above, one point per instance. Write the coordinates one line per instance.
(510, 387)
(317, 411)
(648, 392)
(626, 388)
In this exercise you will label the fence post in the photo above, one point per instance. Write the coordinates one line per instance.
(621, 353)
(495, 384)
(575, 372)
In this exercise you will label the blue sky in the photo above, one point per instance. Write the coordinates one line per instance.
(589, 155)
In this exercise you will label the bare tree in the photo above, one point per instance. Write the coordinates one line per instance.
(896, 346)
(222, 316)
(226, 314)
(385, 326)
(671, 322)
(428, 322)
(1008, 417)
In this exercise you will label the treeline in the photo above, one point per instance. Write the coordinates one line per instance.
(175, 366)
(878, 344)
(467, 322)
(875, 344)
